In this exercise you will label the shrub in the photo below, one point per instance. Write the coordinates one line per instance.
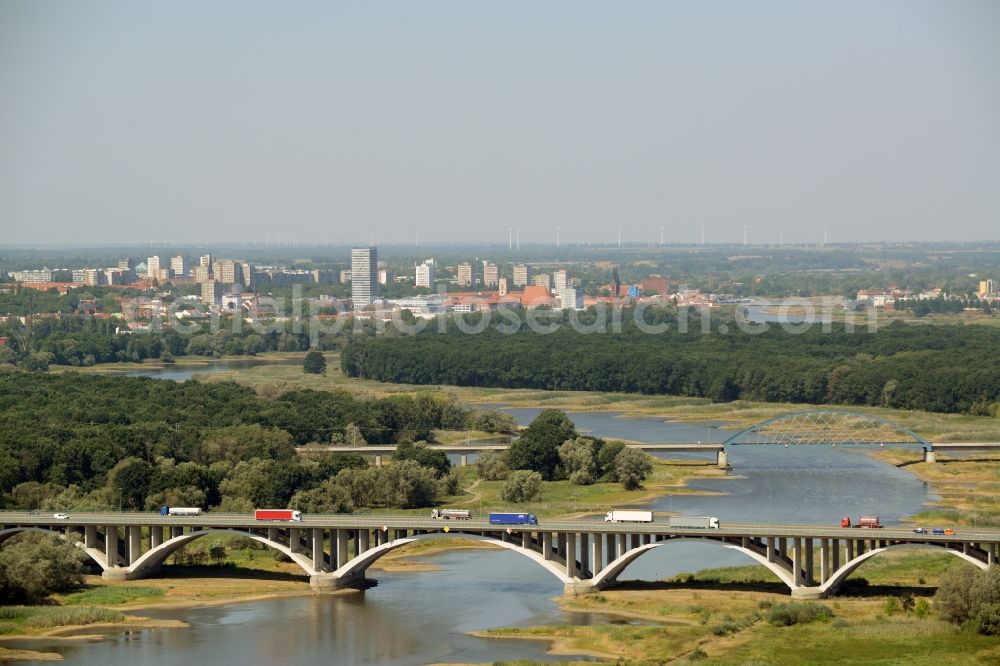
(521, 486)
(785, 615)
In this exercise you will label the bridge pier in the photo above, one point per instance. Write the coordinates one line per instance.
(327, 582)
(464, 460)
(930, 456)
(808, 593)
(722, 459)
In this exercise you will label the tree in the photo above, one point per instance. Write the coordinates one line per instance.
(32, 566)
(521, 486)
(426, 457)
(632, 466)
(131, 478)
(579, 460)
(327, 497)
(953, 598)
(314, 363)
(408, 485)
(538, 447)
(243, 442)
(492, 465)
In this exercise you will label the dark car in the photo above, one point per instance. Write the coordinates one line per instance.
(937, 530)
(919, 530)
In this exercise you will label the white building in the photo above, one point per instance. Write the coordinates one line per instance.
(425, 274)
(559, 281)
(153, 268)
(364, 276)
(521, 275)
(570, 298)
(177, 266)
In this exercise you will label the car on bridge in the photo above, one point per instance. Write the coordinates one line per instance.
(919, 530)
(60, 516)
(947, 531)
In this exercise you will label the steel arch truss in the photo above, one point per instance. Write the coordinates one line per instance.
(829, 427)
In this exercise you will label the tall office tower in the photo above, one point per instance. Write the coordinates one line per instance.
(205, 260)
(559, 281)
(249, 275)
(229, 272)
(202, 273)
(425, 274)
(153, 268)
(126, 263)
(467, 276)
(491, 274)
(364, 276)
(521, 275)
(177, 266)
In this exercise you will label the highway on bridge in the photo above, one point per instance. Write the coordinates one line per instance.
(417, 522)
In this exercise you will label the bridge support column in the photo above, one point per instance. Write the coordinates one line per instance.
(584, 553)
(378, 461)
(176, 532)
(569, 545)
(294, 539)
(722, 460)
(810, 563)
(930, 456)
(343, 552)
(609, 547)
(155, 536)
(561, 544)
(317, 549)
(90, 536)
(596, 554)
(547, 545)
(835, 553)
(621, 544)
(111, 545)
(464, 460)
(824, 560)
(797, 561)
(771, 554)
(526, 540)
(782, 547)
(363, 541)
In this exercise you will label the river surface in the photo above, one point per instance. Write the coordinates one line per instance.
(421, 617)
(180, 372)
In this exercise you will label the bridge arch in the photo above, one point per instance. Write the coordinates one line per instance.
(840, 575)
(154, 557)
(610, 573)
(826, 426)
(358, 565)
(94, 554)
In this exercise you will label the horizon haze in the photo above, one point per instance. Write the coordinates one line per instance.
(186, 123)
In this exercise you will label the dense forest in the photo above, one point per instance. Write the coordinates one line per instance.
(933, 368)
(74, 441)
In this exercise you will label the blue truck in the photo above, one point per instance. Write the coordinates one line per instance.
(512, 519)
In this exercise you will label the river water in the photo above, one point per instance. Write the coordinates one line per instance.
(421, 617)
(183, 371)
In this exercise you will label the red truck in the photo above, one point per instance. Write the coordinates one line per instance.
(277, 514)
(870, 522)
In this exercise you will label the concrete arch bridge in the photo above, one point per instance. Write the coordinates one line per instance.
(585, 555)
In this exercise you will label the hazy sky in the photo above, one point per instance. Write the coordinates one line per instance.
(125, 121)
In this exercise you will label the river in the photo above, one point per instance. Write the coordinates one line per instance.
(421, 617)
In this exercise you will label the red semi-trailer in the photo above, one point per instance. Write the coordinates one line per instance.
(870, 522)
(277, 514)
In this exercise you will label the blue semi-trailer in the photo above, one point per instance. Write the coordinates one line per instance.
(512, 519)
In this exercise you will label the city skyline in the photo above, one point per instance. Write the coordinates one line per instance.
(568, 123)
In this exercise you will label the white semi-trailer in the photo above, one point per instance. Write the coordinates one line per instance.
(699, 522)
(628, 517)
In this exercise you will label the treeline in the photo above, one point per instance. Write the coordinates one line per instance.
(933, 368)
(79, 441)
(84, 341)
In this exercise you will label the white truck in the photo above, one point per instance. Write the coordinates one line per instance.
(180, 511)
(449, 514)
(614, 516)
(699, 522)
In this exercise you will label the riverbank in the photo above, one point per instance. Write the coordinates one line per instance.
(737, 615)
